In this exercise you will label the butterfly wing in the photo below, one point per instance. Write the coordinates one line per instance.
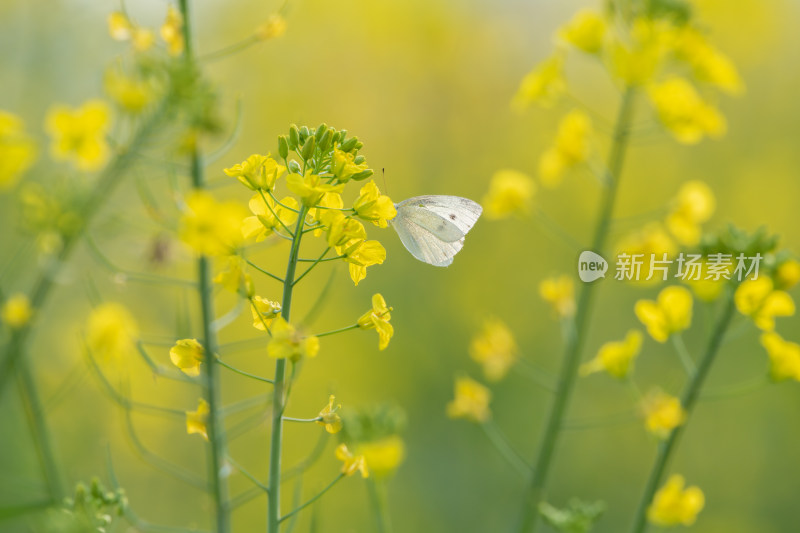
(462, 212)
(432, 228)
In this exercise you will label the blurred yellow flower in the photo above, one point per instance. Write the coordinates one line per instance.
(234, 278)
(706, 290)
(172, 32)
(362, 254)
(586, 31)
(287, 342)
(543, 85)
(329, 416)
(272, 28)
(652, 242)
(471, 401)
(121, 28)
(758, 299)
(131, 94)
(675, 505)
(188, 355)
(310, 188)
(694, 205)
(17, 150)
(670, 313)
(709, 65)
(344, 167)
(257, 172)
(787, 275)
(495, 349)
(559, 292)
(383, 456)
(16, 311)
(196, 421)
(210, 227)
(373, 206)
(572, 146)
(616, 357)
(79, 134)
(352, 463)
(264, 312)
(663, 413)
(636, 60)
(111, 332)
(510, 193)
(378, 318)
(784, 357)
(264, 222)
(683, 111)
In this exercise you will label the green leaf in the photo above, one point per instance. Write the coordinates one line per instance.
(577, 517)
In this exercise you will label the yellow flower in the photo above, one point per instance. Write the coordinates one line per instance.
(344, 167)
(310, 188)
(234, 278)
(17, 150)
(617, 357)
(510, 193)
(172, 32)
(330, 417)
(111, 332)
(383, 456)
(373, 206)
(543, 85)
(471, 401)
(79, 135)
(17, 311)
(129, 93)
(196, 421)
(352, 463)
(264, 312)
(362, 254)
(758, 299)
(652, 242)
(378, 318)
(342, 229)
(188, 355)
(264, 222)
(694, 205)
(257, 172)
(585, 31)
(637, 60)
(332, 200)
(683, 111)
(707, 290)
(670, 313)
(495, 349)
(287, 342)
(119, 26)
(274, 27)
(559, 292)
(787, 274)
(708, 64)
(211, 227)
(572, 146)
(662, 413)
(784, 357)
(675, 505)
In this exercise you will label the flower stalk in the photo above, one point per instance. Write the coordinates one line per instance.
(575, 333)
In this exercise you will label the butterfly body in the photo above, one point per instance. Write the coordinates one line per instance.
(432, 228)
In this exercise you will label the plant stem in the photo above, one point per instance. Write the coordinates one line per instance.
(688, 399)
(278, 400)
(575, 335)
(380, 506)
(313, 499)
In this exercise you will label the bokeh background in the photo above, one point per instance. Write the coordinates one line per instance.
(426, 86)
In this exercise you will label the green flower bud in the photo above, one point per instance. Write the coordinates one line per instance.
(294, 167)
(304, 133)
(283, 147)
(364, 174)
(359, 159)
(320, 131)
(350, 144)
(308, 149)
(325, 142)
(294, 137)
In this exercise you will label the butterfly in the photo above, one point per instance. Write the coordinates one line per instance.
(432, 228)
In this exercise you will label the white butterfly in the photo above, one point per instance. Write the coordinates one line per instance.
(433, 228)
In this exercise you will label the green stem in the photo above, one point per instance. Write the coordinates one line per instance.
(278, 399)
(683, 354)
(500, 442)
(335, 331)
(312, 500)
(380, 505)
(242, 372)
(576, 334)
(688, 399)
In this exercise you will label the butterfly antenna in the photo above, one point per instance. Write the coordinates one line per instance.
(385, 187)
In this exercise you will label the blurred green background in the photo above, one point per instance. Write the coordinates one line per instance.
(426, 86)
